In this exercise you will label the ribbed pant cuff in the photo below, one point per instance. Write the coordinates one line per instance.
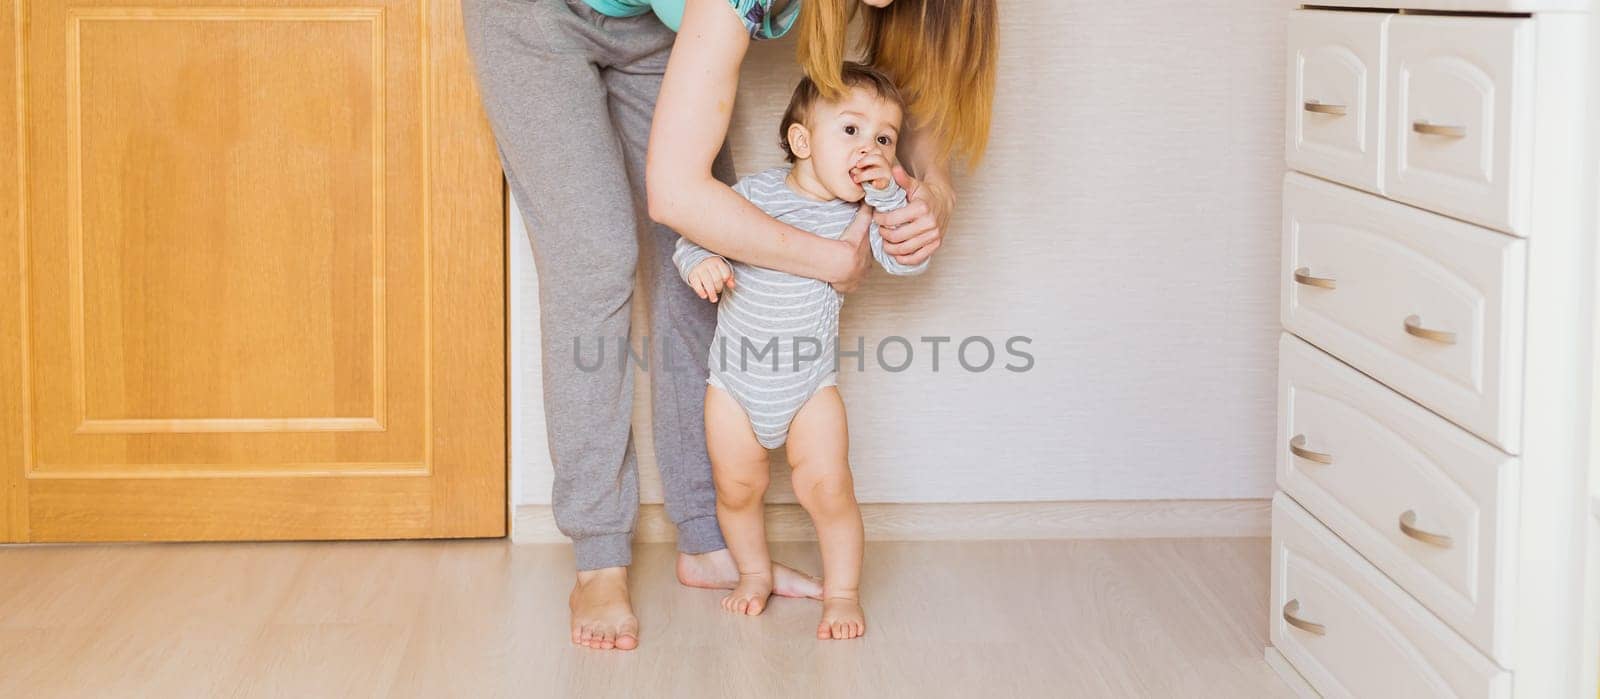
(603, 551)
(700, 535)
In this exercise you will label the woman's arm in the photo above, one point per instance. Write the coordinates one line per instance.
(911, 234)
(691, 121)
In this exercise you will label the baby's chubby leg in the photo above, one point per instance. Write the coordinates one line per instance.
(819, 446)
(739, 467)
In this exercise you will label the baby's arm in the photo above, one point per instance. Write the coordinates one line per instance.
(704, 271)
(686, 255)
(888, 199)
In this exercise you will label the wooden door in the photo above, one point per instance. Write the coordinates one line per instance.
(251, 273)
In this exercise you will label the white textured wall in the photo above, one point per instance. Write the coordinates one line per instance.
(1126, 219)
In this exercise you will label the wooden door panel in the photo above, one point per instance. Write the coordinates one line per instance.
(258, 258)
(285, 233)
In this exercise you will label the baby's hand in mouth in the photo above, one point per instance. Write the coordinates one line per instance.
(872, 168)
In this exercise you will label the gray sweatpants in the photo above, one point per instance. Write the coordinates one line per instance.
(569, 93)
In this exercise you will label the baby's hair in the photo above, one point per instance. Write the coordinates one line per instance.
(807, 94)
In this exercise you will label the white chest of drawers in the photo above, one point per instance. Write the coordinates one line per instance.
(1432, 535)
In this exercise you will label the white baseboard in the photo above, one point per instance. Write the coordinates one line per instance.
(1108, 519)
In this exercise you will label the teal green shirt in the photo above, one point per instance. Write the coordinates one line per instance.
(757, 15)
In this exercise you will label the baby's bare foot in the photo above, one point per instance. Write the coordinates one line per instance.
(842, 618)
(715, 570)
(602, 617)
(749, 597)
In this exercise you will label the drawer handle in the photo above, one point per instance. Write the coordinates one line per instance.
(1320, 108)
(1415, 329)
(1303, 276)
(1298, 447)
(1408, 526)
(1306, 626)
(1424, 127)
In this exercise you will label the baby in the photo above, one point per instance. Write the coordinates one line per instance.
(772, 366)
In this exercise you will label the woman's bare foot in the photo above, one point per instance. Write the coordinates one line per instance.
(716, 571)
(602, 617)
(749, 597)
(842, 618)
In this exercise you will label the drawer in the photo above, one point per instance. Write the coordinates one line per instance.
(1351, 632)
(1459, 125)
(1430, 505)
(1430, 306)
(1335, 95)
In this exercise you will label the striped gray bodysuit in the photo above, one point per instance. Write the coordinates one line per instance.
(777, 333)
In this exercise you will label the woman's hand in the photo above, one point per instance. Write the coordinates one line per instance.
(855, 237)
(913, 232)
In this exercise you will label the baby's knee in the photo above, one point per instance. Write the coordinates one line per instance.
(742, 490)
(832, 492)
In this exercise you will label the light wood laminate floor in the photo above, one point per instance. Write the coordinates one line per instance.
(1157, 618)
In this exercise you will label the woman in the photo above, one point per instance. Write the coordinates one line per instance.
(571, 88)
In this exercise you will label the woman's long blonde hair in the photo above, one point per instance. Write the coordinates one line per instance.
(941, 54)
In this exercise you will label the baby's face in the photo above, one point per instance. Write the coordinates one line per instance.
(843, 133)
